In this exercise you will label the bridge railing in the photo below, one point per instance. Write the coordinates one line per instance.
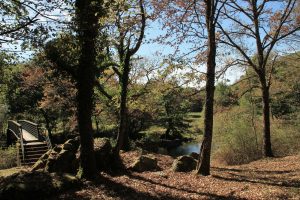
(45, 135)
(16, 129)
(31, 128)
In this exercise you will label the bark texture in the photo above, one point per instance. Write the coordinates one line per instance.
(203, 166)
(86, 11)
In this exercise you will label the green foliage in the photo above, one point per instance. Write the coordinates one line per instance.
(238, 139)
(236, 142)
(176, 107)
(224, 95)
(8, 157)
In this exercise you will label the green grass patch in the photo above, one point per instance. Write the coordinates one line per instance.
(8, 157)
(10, 171)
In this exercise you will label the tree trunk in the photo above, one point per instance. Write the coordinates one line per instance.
(203, 166)
(122, 139)
(48, 125)
(97, 124)
(266, 116)
(88, 30)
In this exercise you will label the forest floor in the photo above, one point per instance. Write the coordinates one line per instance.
(276, 178)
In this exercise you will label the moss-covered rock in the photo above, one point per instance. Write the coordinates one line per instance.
(194, 155)
(59, 159)
(184, 164)
(103, 153)
(35, 185)
(144, 163)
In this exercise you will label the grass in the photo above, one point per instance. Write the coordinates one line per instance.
(194, 131)
(8, 157)
(10, 171)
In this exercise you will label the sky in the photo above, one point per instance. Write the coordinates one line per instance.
(151, 49)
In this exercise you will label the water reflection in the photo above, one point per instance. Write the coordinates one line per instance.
(185, 149)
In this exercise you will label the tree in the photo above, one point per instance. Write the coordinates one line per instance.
(127, 30)
(225, 96)
(176, 105)
(260, 24)
(194, 23)
(15, 20)
(88, 13)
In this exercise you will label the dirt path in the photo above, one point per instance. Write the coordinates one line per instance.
(277, 178)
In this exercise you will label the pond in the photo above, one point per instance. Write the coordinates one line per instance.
(185, 149)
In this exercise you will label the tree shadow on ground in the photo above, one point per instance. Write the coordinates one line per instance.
(207, 195)
(104, 188)
(264, 177)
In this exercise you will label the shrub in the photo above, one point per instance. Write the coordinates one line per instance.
(235, 139)
(238, 140)
(8, 157)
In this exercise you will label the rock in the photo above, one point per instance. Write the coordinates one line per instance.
(102, 145)
(40, 164)
(62, 163)
(103, 153)
(35, 185)
(62, 158)
(144, 163)
(68, 146)
(74, 142)
(45, 156)
(184, 164)
(57, 148)
(194, 155)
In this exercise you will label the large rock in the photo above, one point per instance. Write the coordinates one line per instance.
(144, 163)
(35, 185)
(195, 155)
(103, 153)
(62, 158)
(184, 164)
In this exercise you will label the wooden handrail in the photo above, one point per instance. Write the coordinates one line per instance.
(45, 134)
(16, 129)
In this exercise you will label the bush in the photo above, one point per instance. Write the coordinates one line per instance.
(237, 140)
(8, 157)
(286, 137)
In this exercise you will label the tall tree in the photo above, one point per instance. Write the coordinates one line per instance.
(253, 29)
(127, 30)
(87, 13)
(211, 17)
(194, 23)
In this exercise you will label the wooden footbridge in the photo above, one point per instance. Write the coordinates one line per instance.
(32, 141)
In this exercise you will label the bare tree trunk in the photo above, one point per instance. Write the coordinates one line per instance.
(88, 31)
(266, 116)
(203, 166)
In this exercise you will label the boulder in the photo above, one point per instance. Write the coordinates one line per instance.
(62, 163)
(35, 185)
(68, 146)
(144, 163)
(103, 153)
(74, 142)
(184, 164)
(194, 155)
(59, 159)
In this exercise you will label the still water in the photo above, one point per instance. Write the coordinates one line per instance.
(185, 149)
